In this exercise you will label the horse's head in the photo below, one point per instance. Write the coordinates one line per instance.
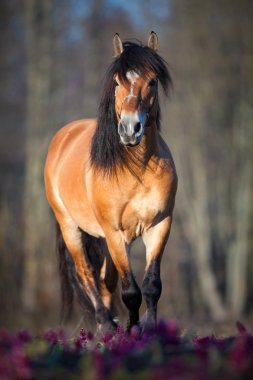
(129, 104)
(135, 92)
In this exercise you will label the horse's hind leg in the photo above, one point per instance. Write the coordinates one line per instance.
(108, 281)
(72, 236)
(105, 272)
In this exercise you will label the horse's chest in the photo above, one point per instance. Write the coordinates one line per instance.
(146, 205)
(144, 208)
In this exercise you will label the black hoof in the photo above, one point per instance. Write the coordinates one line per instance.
(147, 325)
(107, 327)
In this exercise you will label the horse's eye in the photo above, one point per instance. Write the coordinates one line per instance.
(116, 82)
(152, 82)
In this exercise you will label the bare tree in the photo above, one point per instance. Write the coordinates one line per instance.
(36, 213)
(211, 124)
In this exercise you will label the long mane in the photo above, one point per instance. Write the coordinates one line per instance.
(107, 153)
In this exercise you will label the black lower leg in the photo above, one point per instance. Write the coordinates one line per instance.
(104, 319)
(102, 315)
(131, 296)
(152, 288)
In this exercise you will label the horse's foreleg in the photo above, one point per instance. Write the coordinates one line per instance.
(154, 239)
(131, 294)
(85, 273)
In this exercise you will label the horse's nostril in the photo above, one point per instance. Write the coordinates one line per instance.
(137, 127)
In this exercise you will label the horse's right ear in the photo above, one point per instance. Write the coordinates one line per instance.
(153, 41)
(117, 44)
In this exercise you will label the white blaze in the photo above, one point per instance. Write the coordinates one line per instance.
(132, 76)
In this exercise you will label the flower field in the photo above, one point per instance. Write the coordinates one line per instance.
(161, 354)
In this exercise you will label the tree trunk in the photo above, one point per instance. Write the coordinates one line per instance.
(195, 220)
(36, 215)
(94, 59)
(237, 258)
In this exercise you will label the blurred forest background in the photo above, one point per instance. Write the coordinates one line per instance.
(54, 54)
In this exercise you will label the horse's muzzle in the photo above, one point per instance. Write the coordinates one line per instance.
(131, 129)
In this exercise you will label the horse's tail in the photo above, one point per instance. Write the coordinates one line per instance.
(70, 284)
(67, 292)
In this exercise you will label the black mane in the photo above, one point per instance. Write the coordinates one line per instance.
(107, 152)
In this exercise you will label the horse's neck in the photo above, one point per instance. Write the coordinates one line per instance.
(149, 144)
(141, 155)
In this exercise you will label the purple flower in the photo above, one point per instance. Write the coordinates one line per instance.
(14, 363)
(107, 337)
(241, 328)
(90, 335)
(5, 338)
(169, 332)
(241, 355)
(62, 339)
(20, 363)
(78, 345)
(83, 336)
(24, 336)
(51, 337)
(135, 332)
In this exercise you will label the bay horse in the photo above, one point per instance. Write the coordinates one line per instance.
(112, 180)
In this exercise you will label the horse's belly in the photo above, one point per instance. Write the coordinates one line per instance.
(92, 228)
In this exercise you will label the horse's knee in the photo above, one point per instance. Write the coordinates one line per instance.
(131, 295)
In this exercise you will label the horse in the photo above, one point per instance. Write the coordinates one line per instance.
(111, 180)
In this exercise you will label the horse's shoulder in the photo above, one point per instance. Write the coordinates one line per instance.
(70, 134)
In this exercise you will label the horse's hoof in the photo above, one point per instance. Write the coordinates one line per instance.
(107, 327)
(147, 325)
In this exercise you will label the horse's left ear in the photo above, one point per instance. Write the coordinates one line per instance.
(153, 41)
(117, 44)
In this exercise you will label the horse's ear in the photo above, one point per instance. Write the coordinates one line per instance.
(153, 41)
(117, 44)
